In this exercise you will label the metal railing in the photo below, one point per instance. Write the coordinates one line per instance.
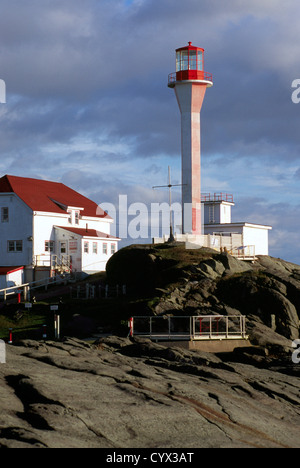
(25, 288)
(202, 327)
(228, 197)
(244, 252)
(204, 76)
(53, 261)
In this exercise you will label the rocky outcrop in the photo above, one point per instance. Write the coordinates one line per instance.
(122, 393)
(204, 282)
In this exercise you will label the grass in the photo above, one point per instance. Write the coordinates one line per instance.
(28, 325)
(107, 313)
(182, 256)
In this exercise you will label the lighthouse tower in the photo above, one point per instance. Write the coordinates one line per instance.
(190, 82)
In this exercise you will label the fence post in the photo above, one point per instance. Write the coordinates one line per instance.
(57, 326)
(130, 323)
(10, 340)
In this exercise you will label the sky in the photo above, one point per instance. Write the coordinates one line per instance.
(87, 102)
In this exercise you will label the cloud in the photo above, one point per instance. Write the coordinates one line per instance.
(88, 103)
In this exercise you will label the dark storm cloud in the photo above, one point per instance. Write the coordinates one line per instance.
(87, 96)
(97, 65)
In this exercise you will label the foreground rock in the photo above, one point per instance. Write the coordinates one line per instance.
(137, 394)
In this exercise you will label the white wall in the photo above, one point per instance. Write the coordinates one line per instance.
(255, 234)
(92, 262)
(225, 213)
(33, 229)
(228, 228)
(19, 227)
(15, 278)
(219, 212)
(88, 262)
(258, 237)
(44, 228)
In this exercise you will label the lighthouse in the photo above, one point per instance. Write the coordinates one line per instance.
(190, 82)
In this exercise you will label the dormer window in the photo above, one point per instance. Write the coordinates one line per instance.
(77, 213)
(70, 216)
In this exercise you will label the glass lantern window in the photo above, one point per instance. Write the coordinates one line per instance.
(178, 61)
(182, 60)
(189, 60)
(200, 60)
(193, 60)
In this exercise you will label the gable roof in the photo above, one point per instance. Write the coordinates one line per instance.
(88, 232)
(52, 197)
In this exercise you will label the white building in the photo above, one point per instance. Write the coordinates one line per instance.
(241, 237)
(46, 228)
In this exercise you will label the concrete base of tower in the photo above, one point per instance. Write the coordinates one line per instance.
(191, 240)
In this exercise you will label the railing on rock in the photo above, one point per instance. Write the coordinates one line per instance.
(201, 327)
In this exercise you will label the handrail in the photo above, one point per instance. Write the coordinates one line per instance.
(200, 327)
(52, 260)
(206, 76)
(34, 284)
(228, 197)
(243, 251)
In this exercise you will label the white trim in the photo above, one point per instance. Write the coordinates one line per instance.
(257, 226)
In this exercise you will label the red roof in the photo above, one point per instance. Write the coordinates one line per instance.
(42, 195)
(11, 269)
(88, 232)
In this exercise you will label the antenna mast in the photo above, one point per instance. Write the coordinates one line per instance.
(169, 186)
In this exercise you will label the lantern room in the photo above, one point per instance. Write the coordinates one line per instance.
(190, 66)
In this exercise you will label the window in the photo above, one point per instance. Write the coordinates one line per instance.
(113, 248)
(211, 214)
(49, 246)
(4, 215)
(192, 60)
(86, 247)
(95, 247)
(76, 217)
(63, 247)
(105, 249)
(15, 246)
(70, 217)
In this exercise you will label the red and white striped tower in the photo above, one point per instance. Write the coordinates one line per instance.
(190, 82)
